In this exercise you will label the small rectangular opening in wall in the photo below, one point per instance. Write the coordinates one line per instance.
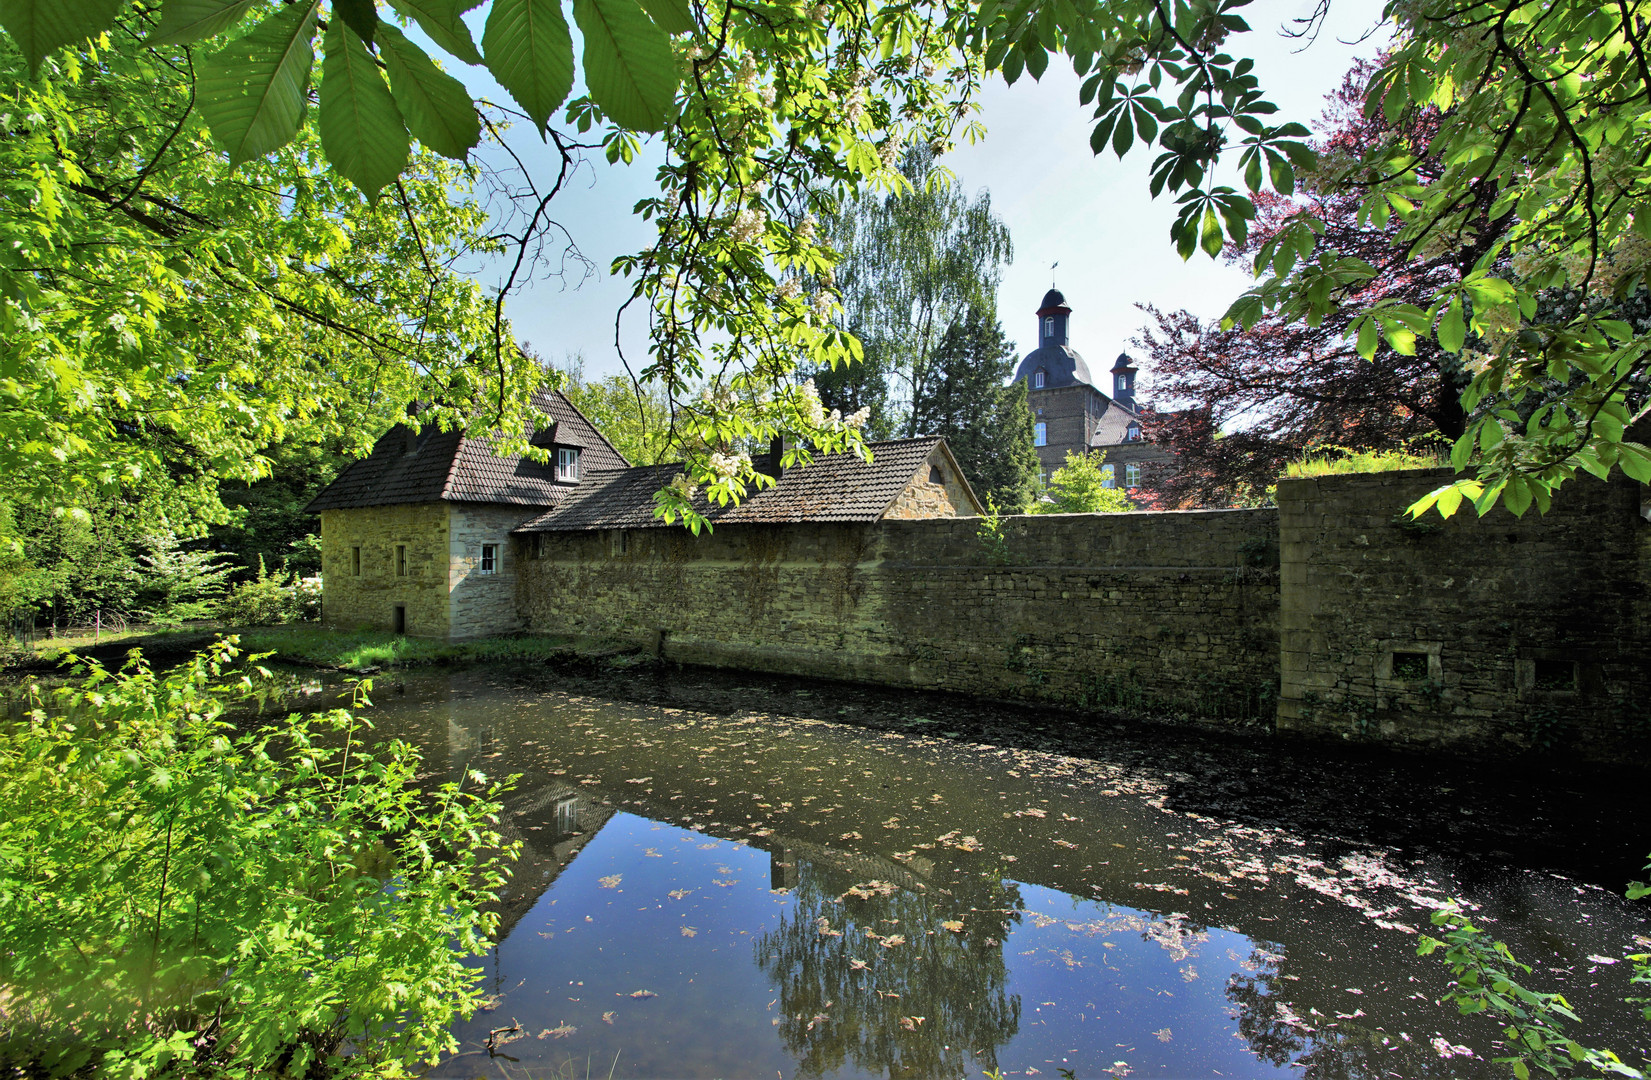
(401, 560)
(1410, 665)
(355, 562)
(400, 618)
(1554, 675)
(490, 559)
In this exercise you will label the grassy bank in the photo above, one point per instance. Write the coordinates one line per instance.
(310, 644)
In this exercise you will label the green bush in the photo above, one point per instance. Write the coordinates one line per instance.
(180, 897)
(266, 600)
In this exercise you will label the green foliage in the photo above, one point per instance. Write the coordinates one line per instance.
(987, 424)
(1340, 460)
(634, 417)
(165, 318)
(990, 535)
(1487, 981)
(265, 600)
(175, 585)
(176, 897)
(1080, 487)
(915, 266)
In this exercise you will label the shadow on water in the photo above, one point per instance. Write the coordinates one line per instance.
(742, 891)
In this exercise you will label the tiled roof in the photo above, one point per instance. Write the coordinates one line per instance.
(836, 487)
(455, 467)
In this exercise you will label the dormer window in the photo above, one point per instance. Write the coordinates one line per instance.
(1038, 377)
(1132, 433)
(567, 463)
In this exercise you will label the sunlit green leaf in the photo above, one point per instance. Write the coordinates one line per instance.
(41, 26)
(361, 129)
(440, 19)
(183, 21)
(436, 106)
(628, 63)
(529, 49)
(251, 92)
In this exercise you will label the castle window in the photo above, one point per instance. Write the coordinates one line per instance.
(401, 560)
(1132, 475)
(1037, 379)
(1040, 434)
(490, 559)
(1108, 477)
(355, 562)
(1048, 326)
(567, 463)
(1132, 433)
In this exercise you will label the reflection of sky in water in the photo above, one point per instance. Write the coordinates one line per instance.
(889, 904)
(652, 908)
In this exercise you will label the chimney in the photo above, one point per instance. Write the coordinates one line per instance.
(776, 457)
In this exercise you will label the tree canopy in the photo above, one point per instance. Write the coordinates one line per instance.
(773, 112)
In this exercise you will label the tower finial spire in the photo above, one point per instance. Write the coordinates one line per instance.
(1052, 266)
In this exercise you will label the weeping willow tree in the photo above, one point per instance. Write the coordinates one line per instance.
(914, 264)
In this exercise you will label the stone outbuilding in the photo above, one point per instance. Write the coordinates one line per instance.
(424, 535)
(415, 537)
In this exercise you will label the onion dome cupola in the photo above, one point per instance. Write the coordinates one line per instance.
(1123, 381)
(1053, 363)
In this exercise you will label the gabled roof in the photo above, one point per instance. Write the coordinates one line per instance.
(452, 466)
(836, 487)
(1113, 426)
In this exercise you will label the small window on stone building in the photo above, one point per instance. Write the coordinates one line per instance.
(490, 559)
(539, 546)
(1411, 666)
(567, 463)
(401, 560)
(1553, 675)
(355, 562)
(1037, 379)
(1132, 475)
(1132, 433)
(1040, 434)
(936, 476)
(1108, 476)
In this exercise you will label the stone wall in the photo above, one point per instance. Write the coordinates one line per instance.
(1465, 633)
(482, 604)
(368, 600)
(1163, 612)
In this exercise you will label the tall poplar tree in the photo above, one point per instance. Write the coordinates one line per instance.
(914, 264)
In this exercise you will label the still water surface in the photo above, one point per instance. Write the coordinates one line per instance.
(753, 894)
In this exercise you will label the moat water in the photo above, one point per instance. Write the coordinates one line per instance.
(756, 890)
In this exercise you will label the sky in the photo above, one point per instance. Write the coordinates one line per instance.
(1092, 215)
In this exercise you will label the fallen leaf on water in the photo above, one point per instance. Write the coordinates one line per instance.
(678, 894)
(1066, 843)
(857, 965)
(892, 940)
(652, 853)
(688, 931)
(607, 1018)
(1031, 811)
(1163, 1034)
(727, 883)
(611, 881)
(638, 994)
(910, 1023)
(1119, 1068)
(954, 925)
(560, 1031)
(1601, 959)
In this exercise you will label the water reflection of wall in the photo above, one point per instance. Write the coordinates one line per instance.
(892, 980)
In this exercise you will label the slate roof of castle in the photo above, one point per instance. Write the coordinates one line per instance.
(452, 466)
(835, 487)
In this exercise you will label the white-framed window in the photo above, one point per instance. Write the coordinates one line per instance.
(1037, 379)
(1132, 433)
(1132, 475)
(567, 463)
(1048, 326)
(1043, 479)
(490, 559)
(1040, 434)
(1108, 477)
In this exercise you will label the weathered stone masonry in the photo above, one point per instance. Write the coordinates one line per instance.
(1333, 614)
(1173, 610)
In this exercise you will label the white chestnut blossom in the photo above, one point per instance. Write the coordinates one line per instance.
(748, 224)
